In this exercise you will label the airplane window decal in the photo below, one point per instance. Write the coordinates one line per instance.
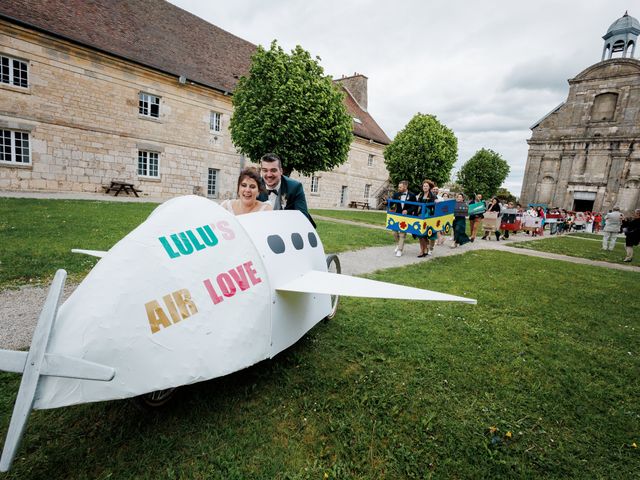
(276, 244)
(313, 240)
(297, 241)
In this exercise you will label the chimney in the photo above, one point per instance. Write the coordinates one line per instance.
(357, 87)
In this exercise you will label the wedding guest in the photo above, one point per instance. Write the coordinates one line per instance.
(613, 223)
(475, 220)
(631, 229)
(459, 222)
(427, 195)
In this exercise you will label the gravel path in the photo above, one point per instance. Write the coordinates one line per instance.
(19, 309)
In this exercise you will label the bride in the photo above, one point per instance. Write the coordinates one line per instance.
(249, 187)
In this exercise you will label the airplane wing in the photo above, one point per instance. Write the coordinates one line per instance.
(335, 284)
(93, 253)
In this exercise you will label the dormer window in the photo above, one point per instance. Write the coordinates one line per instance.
(357, 120)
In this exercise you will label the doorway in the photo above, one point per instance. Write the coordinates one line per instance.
(343, 196)
(583, 205)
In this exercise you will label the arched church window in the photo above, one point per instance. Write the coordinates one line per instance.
(604, 107)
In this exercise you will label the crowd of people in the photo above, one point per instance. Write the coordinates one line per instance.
(268, 189)
(511, 218)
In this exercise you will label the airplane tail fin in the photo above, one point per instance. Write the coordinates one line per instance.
(35, 363)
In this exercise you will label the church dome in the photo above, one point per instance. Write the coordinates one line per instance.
(623, 24)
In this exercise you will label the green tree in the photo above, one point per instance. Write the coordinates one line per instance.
(286, 105)
(483, 173)
(505, 195)
(423, 149)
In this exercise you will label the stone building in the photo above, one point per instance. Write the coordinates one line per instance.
(139, 90)
(585, 154)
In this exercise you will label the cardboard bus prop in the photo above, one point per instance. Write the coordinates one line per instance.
(431, 217)
(477, 208)
(491, 221)
(531, 223)
(511, 220)
(191, 294)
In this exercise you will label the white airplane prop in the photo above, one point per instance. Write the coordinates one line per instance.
(191, 294)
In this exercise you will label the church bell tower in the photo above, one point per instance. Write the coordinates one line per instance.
(622, 36)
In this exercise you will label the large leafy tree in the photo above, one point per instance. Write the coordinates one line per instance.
(483, 173)
(287, 106)
(423, 149)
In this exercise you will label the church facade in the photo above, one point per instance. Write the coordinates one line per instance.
(585, 154)
(140, 91)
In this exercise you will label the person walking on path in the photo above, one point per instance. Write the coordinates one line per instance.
(403, 195)
(631, 229)
(460, 222)
(613, 223)
(427, 195)
(494, 206)
(475, 220)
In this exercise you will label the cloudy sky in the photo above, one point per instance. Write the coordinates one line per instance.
(487, 69)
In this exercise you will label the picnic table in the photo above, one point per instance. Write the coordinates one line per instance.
(120, 186)
(362, 205)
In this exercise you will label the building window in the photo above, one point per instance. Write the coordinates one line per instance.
(212, 183)
(215, 122)
(149, 105)
(148, 165)
(14, 72)
(315, 184)
(14, 147)
(367, 191)
(370, 161)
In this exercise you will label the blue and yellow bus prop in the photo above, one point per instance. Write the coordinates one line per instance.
(431, 218)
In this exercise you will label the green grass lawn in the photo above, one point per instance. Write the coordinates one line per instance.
(591, 236)
(338, 237)
(36, 236)
(580, 247)
(373, 217)
(539, 380)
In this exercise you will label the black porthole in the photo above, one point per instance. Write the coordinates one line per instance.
(296, 239)
(313, 240)
(276, 244)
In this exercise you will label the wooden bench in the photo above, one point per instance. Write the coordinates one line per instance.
(362, 205)
(119, 186)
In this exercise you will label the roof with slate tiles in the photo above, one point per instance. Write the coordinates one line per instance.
(158, 35)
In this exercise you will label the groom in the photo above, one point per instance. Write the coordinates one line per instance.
(282, 193)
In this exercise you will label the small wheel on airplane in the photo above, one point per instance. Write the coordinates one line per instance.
(333, 266)
(154, 400)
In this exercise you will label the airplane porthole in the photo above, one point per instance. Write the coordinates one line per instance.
(296, 239)
(276, 244)
(313, 240)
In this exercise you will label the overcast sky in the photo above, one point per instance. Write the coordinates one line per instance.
(487, 69)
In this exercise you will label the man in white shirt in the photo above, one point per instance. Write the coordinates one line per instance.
(613, 223)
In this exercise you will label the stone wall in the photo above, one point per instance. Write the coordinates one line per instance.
(81, 112)
(590, 146)
(354, 174)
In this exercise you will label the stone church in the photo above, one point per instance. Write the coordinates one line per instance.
(585, 154)
(140, 91)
